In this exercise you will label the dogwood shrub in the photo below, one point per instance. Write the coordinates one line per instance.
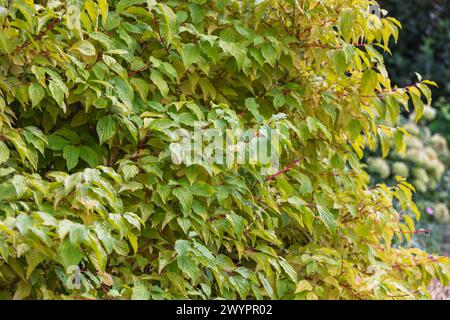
(93, 205)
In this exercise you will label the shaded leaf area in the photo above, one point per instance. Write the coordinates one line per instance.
(97, 200)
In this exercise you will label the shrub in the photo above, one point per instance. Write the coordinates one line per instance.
(96, 201)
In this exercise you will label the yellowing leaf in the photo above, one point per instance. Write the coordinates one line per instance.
(84, 47)
(4, 152)
(140, 291)
(303, 285)
(36, 93)
(340, 62)
(369, 82)
(103, 5)
(346, 23)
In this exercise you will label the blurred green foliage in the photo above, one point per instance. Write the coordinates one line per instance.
(441, 123)
(424, 44)
(424, 47)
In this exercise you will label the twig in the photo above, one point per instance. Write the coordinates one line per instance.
(324, 46)
(284, 170)
(161, 39)
(133, 73)
(49, 27)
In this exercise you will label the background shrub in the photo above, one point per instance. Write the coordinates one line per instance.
(425, 165)
(424, 47)
(92, 205)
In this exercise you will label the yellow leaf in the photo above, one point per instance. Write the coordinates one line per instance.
(303, 285)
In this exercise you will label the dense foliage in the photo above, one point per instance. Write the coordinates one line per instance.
(91, 92)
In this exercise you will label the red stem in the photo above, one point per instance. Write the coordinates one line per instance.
(49, 27)
(284, 170)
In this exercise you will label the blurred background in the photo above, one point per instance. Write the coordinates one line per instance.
(423, 47)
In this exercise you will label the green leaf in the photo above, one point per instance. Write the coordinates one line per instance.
(89, 155)
(4, 249)
(70, 254)
(77, 233)
(36, 93)
(340, 62)
(115, 66)
(141, 86)
(399, 142)
(197, 13)
(57, 91)
(241, 285)
(129, 171)
(418, 104)
(284, 186)
(305, 182)
(184, 223)
(354, 129)
(191, 173)
(385, 137)
(184, 195)
(269, 53)
(369, 82)
(124, 4)
(308, 217)
(4, 152)
(169, 70)
(202, 189)
(159, 81)
(337, 162)
(190, 53)
(71, 154)
(188, 266)
(253, 107)
(234, 50)
(56, 142)
(279, 101)
(289, 270)
(346, 23)
(123, 91)
(140, 291)
(328, 218)
(23, 222)
(182, 246)
(266, 284)
(23, 290)
(106, 127)
(426, 92)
